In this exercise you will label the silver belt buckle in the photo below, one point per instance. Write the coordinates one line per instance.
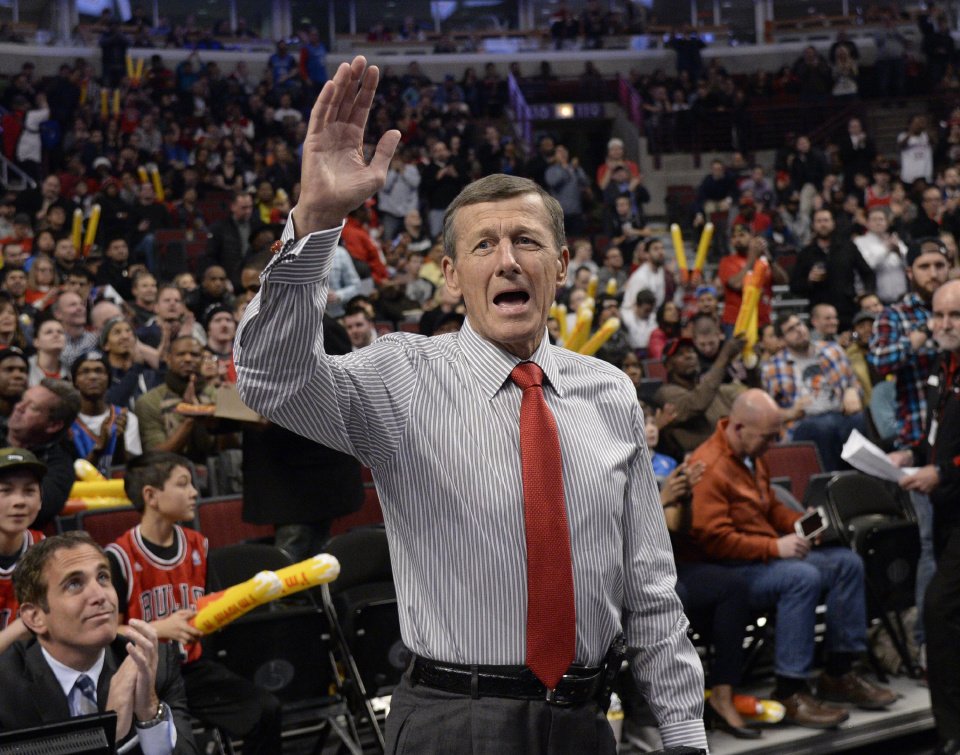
(553, 699)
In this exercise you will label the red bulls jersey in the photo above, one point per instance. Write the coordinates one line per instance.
(8, 601)
(158, 587)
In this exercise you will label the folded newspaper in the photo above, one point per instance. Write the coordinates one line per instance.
(861, 454)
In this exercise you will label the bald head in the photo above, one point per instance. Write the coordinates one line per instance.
(755, 423)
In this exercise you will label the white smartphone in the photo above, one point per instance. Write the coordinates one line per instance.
(811, 524)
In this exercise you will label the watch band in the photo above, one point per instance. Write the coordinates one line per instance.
(157, 719)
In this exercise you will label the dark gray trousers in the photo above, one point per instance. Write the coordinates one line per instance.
(423, 721)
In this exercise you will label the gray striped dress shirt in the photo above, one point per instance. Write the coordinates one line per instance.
(437, 420)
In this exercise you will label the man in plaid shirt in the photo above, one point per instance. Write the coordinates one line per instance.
(816, 386)
(901, 347)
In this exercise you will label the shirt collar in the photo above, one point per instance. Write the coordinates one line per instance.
(67, 677)
(492, 365)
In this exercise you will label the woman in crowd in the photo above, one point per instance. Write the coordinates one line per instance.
(49, 341)
(668, 326)
(11, 334)
(41, 283)
(129, 379)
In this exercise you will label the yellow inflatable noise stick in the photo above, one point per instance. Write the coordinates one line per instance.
(311, 572)
(599, 338)
(86, 472)
(220, 608)
(581, 331)
(98, 489)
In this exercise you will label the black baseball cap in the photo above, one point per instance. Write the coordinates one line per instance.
(927, 245)
(20, 458)
(12, 351)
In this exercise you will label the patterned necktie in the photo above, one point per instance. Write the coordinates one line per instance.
(83, 696)
(551, 615)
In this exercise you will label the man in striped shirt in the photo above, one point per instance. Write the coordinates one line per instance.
(437, 419)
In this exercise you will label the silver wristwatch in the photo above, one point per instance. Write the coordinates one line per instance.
(161, 716)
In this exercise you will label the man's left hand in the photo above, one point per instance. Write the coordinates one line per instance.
(924, 480)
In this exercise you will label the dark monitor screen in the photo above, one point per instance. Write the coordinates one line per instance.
(83, 735)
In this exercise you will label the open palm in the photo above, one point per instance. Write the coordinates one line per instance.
(335, 178)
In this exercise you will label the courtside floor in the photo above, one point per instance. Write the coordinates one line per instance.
(909, 715)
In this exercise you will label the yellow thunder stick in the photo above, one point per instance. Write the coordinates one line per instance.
(92, 225)
(702, 248)
(76, 232)
(86, 472)
(311, 572)
(220, 608)
(581, 331)
(592, 286)
(98, 489)
(678, 249)
(157, 184)
(599, 338)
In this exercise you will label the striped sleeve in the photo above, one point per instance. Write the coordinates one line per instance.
(667, 668)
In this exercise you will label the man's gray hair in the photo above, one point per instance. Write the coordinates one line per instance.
(492, 189)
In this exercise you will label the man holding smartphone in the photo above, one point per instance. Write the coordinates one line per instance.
(737, 520)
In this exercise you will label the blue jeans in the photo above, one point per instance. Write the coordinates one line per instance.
(794, 587)
(926, 566)
(829, 431)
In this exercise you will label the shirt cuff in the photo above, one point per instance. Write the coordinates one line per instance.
(689, 733)
(303, 261)
(160, 739)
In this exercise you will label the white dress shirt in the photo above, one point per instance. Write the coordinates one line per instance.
(437, 420)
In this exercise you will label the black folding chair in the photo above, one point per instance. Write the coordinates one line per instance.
(286, 646)
(875, 519)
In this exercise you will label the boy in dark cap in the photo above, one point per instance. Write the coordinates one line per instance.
(20, 476)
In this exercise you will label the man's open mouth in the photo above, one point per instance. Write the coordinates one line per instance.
(511, 298)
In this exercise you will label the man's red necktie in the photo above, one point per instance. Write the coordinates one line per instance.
(551, 615)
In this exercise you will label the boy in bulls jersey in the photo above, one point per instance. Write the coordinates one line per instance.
(20, 476)
(160, 572)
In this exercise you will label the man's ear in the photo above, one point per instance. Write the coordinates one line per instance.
(563, 266)
(450, 276)
(54, 428)
(34, 618)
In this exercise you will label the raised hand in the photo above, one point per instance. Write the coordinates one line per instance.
(335, 178)
(142, 650)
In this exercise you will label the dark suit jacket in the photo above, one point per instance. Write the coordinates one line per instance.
(31, 696)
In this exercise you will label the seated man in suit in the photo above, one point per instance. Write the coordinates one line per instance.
(76, 663)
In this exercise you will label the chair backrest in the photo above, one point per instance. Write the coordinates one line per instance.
(798, 461)
(233, 564)
(221, 520)
(283, 646)
(107, 525)
(853, 494)
(364, 557)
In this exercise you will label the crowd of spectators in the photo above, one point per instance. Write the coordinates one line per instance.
(192, 175)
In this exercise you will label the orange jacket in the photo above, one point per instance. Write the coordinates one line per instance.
(735, 515)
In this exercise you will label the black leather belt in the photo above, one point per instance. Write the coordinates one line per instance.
(579, 685)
